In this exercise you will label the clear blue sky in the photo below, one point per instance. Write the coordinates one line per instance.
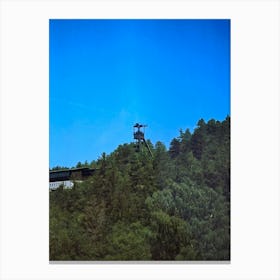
(106, 75)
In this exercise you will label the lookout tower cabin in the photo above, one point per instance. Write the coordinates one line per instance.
(68, 176)
(138, 134)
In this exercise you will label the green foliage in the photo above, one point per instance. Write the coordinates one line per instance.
(129, 242)
(174, 206)
(200, 211)
(170, 234)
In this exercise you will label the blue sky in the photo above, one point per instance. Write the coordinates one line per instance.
(106, 75)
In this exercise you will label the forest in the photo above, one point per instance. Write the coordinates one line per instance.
(172, 206)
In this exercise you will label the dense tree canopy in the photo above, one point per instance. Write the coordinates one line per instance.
(172, 206)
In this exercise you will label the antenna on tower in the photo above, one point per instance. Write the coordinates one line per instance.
(139, 130)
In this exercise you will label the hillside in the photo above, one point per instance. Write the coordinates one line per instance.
(172, 206)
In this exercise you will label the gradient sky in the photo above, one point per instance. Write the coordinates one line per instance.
(106, 75)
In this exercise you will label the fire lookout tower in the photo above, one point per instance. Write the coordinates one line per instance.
(140, 137)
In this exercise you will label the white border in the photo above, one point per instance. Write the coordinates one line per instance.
(255, 137)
